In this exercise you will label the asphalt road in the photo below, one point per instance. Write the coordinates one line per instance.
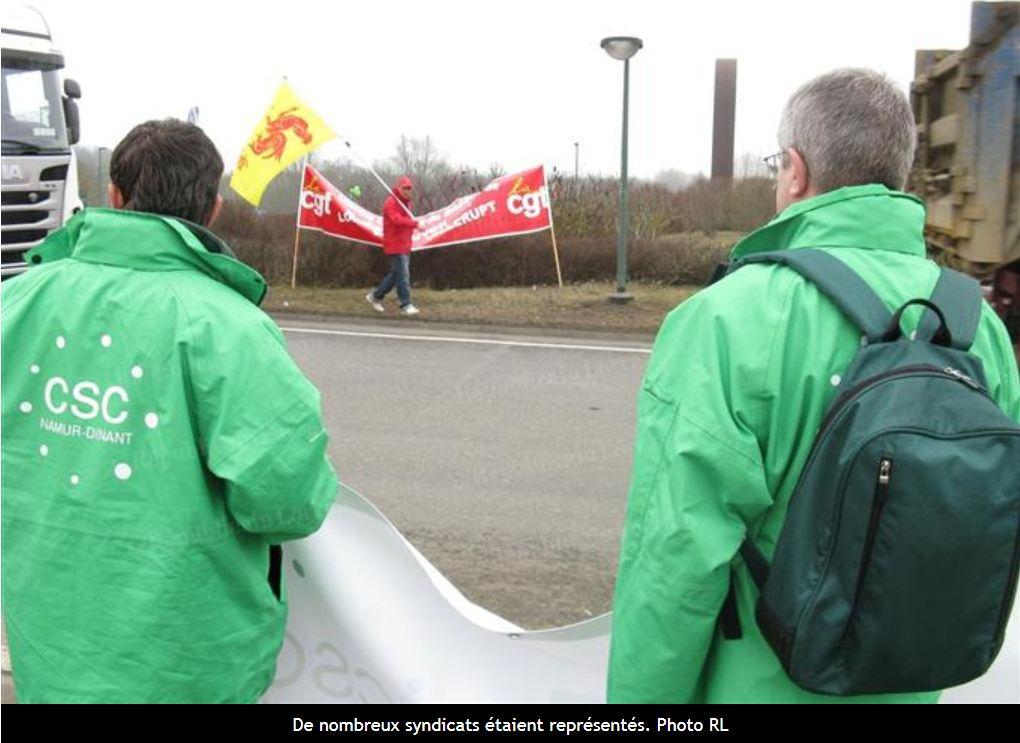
(506, 465)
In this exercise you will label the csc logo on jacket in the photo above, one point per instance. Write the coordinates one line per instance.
(88, 402)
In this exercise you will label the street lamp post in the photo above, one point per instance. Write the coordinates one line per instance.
(622, 48)
(577, 158)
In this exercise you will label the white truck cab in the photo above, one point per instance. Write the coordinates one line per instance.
(40, 123)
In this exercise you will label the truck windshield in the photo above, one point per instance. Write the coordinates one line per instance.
(33, 117)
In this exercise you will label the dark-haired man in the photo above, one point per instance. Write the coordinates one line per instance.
(158, 442)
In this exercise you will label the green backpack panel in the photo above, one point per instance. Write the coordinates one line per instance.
(896, 566)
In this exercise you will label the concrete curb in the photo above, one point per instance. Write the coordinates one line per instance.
(426, 326)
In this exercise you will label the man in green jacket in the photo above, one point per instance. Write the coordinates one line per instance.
(158, 444)
(736, 388)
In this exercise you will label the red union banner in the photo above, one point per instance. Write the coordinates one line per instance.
(511, 205)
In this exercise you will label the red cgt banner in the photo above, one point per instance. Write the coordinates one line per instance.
(511, 205)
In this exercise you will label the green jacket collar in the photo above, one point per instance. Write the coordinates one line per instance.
(148, 242)
(872, 217)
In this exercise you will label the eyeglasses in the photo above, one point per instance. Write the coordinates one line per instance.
(774, 163)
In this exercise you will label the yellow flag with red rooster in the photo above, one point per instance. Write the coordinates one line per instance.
(289, 130)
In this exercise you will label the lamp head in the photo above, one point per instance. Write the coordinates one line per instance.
(621, 47)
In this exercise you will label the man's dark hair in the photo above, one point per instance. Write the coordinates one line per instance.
(168, 167)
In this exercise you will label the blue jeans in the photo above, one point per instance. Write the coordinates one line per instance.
(400, 274)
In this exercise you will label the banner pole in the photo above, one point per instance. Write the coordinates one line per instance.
(552, 232)
(556, 255)
(297, 223)
(372, 171)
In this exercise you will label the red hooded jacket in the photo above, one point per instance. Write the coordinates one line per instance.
(397, 225)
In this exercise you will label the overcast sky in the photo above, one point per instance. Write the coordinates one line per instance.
(509, 82)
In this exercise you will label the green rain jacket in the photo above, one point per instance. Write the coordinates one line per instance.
(735, 388)
(157, 439)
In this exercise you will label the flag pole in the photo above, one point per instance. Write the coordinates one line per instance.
(556, 254)
(297, 223)
(372, 171)
(552, 232)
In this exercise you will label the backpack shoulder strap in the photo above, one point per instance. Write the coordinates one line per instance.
(959, 298)
(838, 282)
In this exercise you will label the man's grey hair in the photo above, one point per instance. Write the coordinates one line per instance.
(852, 126)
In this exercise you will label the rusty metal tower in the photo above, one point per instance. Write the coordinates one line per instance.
(723, 120)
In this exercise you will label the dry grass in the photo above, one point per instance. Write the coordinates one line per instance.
(576, 306)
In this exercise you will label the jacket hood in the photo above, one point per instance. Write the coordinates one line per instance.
(148, 242)
(871, 216)
(401, 182)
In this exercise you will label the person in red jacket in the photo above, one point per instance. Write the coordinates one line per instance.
(398, 227)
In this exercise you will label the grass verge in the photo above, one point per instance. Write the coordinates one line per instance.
(577, 306)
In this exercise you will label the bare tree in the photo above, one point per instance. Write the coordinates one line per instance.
(433, 175)
(673, 179)
(751, 165)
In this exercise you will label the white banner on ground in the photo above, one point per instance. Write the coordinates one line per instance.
(371, 620)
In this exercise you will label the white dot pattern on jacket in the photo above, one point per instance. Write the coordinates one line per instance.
(74, 408)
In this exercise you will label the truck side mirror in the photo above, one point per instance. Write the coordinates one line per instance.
(71, 117)
(72, 89)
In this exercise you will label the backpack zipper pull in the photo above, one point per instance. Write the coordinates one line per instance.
(959, 375)
(884, 471)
